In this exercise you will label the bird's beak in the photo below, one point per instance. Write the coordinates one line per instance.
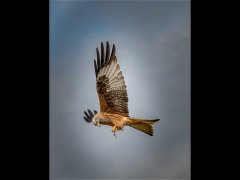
(98, 124)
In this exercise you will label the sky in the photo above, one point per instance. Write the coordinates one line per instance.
(152, 42)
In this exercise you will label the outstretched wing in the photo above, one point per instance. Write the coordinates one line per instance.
(89, 116)
(111, 88)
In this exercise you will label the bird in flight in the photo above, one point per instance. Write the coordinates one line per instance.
(113, 97)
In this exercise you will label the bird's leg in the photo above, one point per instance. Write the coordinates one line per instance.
(114, 129)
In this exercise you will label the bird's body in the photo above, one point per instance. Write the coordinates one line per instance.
(113, 96)
(103, 118)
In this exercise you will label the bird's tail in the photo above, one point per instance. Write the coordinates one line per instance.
(143, 125)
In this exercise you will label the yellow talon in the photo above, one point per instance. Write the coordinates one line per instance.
(114, 129)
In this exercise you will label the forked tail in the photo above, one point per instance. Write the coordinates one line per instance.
(142, 124)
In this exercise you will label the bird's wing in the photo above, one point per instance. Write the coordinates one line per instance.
(111, 88)
(89, 115)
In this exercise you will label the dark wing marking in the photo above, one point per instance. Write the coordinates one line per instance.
(111, 87)
(89, 115)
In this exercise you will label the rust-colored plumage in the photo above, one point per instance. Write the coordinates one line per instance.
(113, 97)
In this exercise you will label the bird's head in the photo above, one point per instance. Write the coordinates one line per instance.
(96, 120)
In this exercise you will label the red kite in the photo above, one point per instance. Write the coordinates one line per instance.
(113, 97)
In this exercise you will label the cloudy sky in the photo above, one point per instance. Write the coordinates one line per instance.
(153, 49)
